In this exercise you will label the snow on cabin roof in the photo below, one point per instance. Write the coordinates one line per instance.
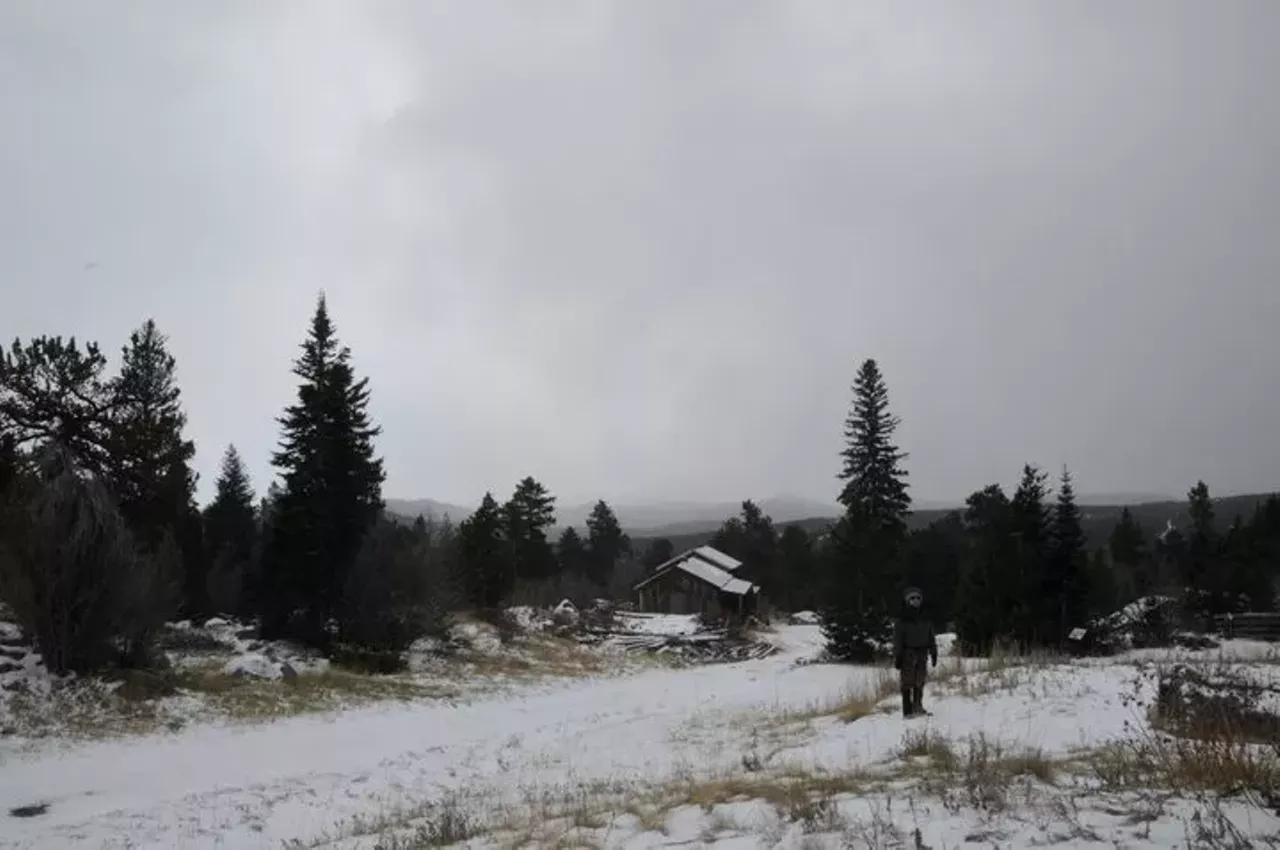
(708, 564)
(710, 554)
(714, 576)
(718, 558)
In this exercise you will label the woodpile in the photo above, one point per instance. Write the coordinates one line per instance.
(1255, 626)
(713, 646)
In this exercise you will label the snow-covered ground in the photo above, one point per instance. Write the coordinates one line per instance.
(700, 756)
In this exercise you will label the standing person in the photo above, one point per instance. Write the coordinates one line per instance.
(914, 645)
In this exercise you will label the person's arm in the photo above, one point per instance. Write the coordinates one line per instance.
(899, 639)
(933, 645)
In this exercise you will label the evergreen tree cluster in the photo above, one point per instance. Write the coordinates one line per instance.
(506, 555)
(101, 539)
(1011, 569)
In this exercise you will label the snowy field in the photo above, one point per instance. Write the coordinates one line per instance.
(769, 753)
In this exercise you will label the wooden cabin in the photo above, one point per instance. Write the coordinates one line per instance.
(699, 581)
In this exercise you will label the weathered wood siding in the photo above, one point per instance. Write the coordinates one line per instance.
(677, 592)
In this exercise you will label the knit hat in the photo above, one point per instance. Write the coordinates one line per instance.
(910, 592)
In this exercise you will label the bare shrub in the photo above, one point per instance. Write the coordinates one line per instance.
(1216, 706)
(73, 577)
(1208, 735)
(983, 776)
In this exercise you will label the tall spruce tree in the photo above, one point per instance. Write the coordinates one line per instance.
(231, 535)
(1065, 582)
(1202, 535)
(752, 538)
(530, 513)
(606, 542)
(797, 568)
(150, 471)
(571, 549)
(934, 563)
(1031, 528)
(488, 562)
(332, 489)
(864, 566)
(1130, 556)
(987, 595)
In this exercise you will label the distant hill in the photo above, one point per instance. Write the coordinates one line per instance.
(688, 524)
(1097, 519)
(1110, 499)
(652, 519)
(428, 509)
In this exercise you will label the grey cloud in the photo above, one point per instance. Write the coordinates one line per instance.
(636, 249)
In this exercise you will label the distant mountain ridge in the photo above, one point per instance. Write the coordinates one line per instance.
(669, 518)
(639, 517)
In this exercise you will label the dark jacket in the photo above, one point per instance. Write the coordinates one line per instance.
(914, 633)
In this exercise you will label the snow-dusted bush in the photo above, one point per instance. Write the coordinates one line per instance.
(72, 575)
(396, 593)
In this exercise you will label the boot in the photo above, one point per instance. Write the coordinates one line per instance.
(908, 707)
(917, 700)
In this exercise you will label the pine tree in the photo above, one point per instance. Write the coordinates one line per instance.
(864, 564)
(332, 489)
(987, 595)
(1128, 547)
(606, 542)
(231, 535)
(571, 549)
(52, 393)
(150, 470)
(658, 552)
(935, 559)
(1065, 581)
(488, 562)
(731, 538)
(1032, 535)
(1103, 592)
(752, 538)
(875, 481)
(797, 569)
(1202, 544)
(530, 513)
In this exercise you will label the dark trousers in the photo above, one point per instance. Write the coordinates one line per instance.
(914, 673)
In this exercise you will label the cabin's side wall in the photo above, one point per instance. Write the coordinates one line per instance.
(677, 592)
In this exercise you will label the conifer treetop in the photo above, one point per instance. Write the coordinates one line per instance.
(875, 482)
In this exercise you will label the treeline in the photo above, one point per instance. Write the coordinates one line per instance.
(102, 541)
(1012, 569)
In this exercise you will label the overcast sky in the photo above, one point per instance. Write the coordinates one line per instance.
(638, 249)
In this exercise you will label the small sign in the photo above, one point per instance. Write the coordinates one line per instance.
(1077, 633)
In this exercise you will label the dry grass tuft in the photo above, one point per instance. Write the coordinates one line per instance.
(982, 776)
(1218, 765)
(245, 698)
(1206, 734)
(924, 744)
